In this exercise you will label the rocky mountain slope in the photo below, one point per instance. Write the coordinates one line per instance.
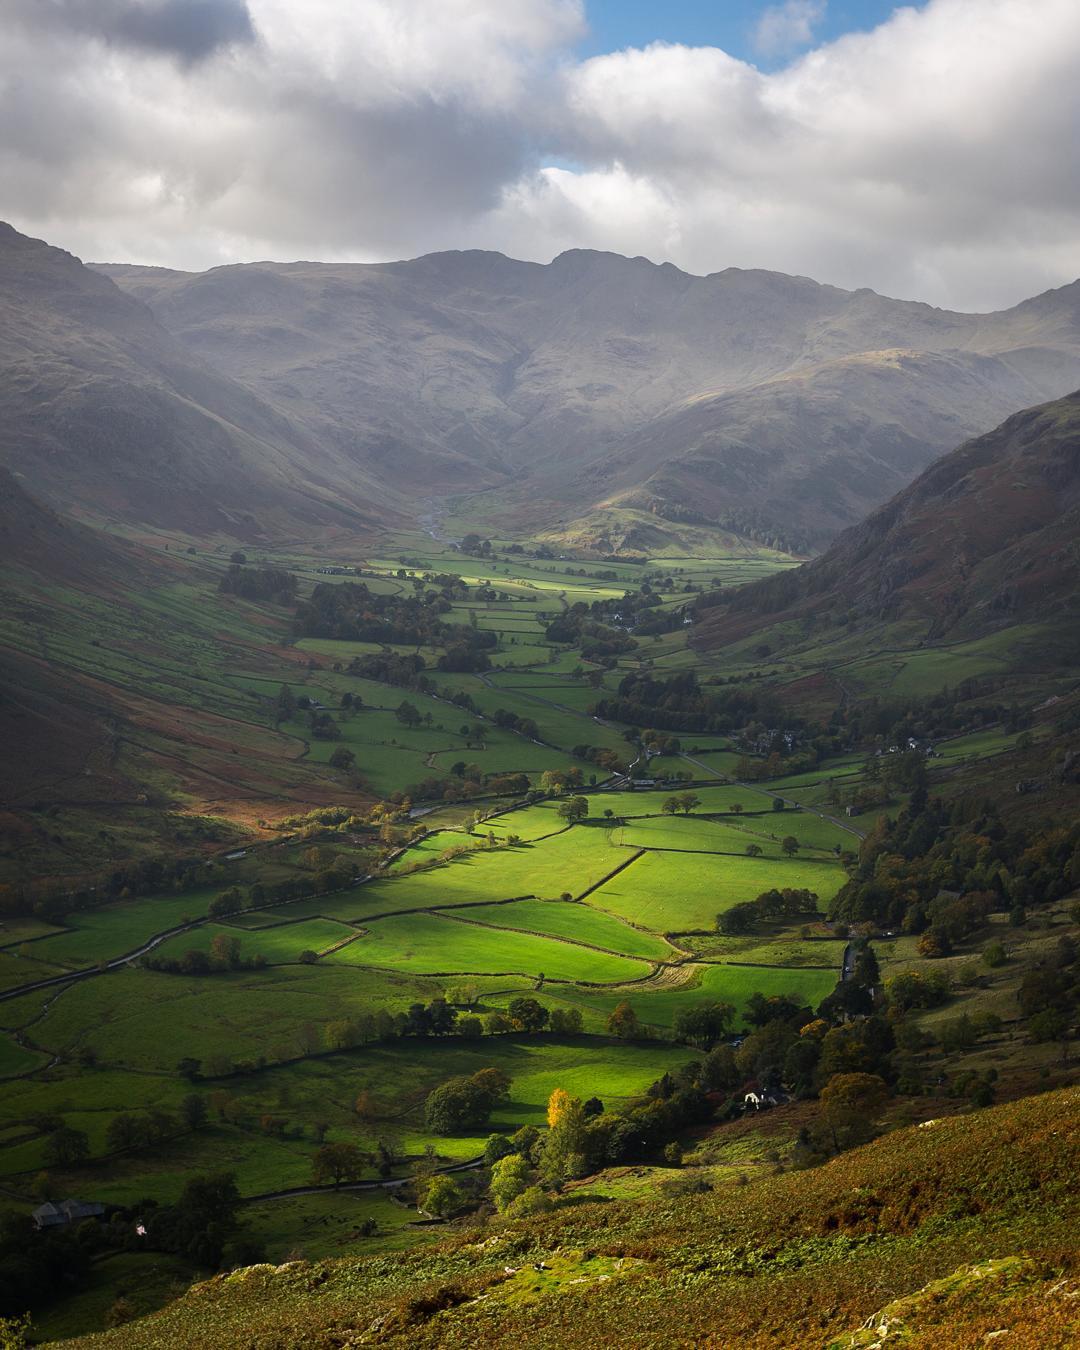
(760, 401)
(984, 539)
(104, 414)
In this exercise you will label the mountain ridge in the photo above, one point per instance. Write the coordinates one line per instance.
(583, 383)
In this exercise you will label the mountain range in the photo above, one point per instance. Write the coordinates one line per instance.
(597, 385)
(596, 395)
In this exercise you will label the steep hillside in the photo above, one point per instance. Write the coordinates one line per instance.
(59, 736)
(984, 540)
(887, 1232)
(103, 413)
(37, 539)
(110, 714)
(750, 399)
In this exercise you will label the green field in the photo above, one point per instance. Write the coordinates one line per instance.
(574, 921)
(439, 944)
(711, 836)
(673, 893)
(106, 933)
(284, 942)
(657, 1005)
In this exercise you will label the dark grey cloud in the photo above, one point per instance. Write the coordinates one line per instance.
(189, 30)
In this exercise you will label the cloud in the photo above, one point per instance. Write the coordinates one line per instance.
(786, 28)
(189, 30)
(933, 158)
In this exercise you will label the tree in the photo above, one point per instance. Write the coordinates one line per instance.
(497, 1146)
(459, 1104)
(338, 1163)
(342, 758)
(308, 1039)
(867, 972)
(365, 1106)
(704, 1025)
(790, 845)
(850, 1102)
(526, 1014)
(994, 955)
(225, 951)
(442, 1197)
(408, 714)
(553, 780)
(736, 808)
(670, 806)
(563, 1156)
(193, 1110)
(687, 802)
(307, 957)
(494, 1082)
(778, 803)
(623, 1022)
(574, 809)
(510, 1177)
(123, 1132)
(189, 1068)
(933, 945)
(228, 902)
(530, 1201)
(753, 850)
(66, 1147)
(285, 705)
(566, 1021)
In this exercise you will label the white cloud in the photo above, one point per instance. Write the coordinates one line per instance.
(934, 158)
(786, 28)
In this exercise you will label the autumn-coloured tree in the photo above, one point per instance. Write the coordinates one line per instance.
(623, 1022)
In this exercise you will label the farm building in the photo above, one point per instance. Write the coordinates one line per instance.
(63, 1212)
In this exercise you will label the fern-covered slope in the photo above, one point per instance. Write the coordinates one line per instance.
(801, 1259)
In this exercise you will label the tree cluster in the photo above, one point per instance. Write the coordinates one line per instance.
(681, 703)
(259, 583)
(769, 907)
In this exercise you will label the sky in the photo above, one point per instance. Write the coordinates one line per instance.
(928, 151)
(732, 25)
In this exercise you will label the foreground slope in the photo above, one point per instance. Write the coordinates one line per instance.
(801, 1259)
(746, 398)
(984, 541)
(102, 412)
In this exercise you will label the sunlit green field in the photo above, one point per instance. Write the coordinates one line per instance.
(673, 893)
(429, 944)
